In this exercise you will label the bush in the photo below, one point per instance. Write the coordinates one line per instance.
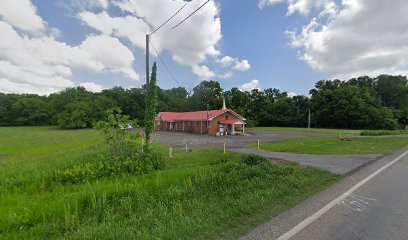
(154, 158)
(125, 154)
(105, 167)
(252, 159)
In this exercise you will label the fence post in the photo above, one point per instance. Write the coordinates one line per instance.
(225, 148)
(186, 148)
(142, 144)
(258, 144)
(171, 153)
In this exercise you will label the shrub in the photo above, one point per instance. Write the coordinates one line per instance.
(104, 167)
(252, 159)
(125, 155)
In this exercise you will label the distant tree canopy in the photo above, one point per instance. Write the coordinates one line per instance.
(359, 103)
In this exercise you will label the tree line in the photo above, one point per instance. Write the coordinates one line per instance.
(359, 103)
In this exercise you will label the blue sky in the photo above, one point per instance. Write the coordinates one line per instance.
(284, 44)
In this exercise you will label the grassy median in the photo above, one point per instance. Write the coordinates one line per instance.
(333, 145)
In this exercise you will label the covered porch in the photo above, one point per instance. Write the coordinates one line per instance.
(233, 126)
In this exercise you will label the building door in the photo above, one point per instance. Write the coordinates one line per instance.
(221, 128)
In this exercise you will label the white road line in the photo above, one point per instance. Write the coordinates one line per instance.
(336, 201)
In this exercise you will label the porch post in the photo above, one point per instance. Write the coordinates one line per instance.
(183, 126)
(233, 129)
(243, 128)
(201, 126)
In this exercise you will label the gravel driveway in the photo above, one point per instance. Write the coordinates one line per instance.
(180, 139)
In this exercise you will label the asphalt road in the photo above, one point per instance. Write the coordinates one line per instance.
(377, 209)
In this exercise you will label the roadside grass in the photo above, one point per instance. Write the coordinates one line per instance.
(306, 130)
(382, 132)
(202, 194)
(331, 131)
(333, 145)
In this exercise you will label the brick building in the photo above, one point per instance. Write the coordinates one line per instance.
(213, 122)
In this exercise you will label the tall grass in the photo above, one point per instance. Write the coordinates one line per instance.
(200, 195)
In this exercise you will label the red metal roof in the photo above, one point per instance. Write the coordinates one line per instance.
(193, 116)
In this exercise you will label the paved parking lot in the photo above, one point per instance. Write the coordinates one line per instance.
(340, 164)
(180, 139)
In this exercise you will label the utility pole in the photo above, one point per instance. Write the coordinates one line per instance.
(308, 122)
(147, 61)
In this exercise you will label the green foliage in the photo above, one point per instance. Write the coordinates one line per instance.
(252, 159)
(125, 154)
(359, 103)
(121, 141)
(151, 105)
(105, 167)
(206, 93)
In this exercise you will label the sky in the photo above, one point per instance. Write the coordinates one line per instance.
(46, 46)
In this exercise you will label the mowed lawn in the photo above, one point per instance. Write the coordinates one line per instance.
(333, 145)
(337, 132)
(306, 130)
(199, 195)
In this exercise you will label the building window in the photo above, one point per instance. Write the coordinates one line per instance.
(158, 123)
(226, 117)
(198, 124)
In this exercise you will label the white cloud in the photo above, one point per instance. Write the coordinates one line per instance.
(227, 61)
(104, 53)
(203, 72)
(17, 79)
(22, 14)
(248, 87)
(226, 75)
(87, 4)
(364, 37)
(242, 66)
(300, 6)
(103, 3)
(44, 65)
(92, 87)
(292, 94)
(192, 42)
(128, 27)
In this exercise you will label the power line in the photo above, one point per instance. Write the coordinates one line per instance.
(164, 64)
(191, 14)
(168, 20)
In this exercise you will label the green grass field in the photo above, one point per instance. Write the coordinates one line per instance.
(331, 131)
(305, 130)
(199, 195)
(332, 145)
